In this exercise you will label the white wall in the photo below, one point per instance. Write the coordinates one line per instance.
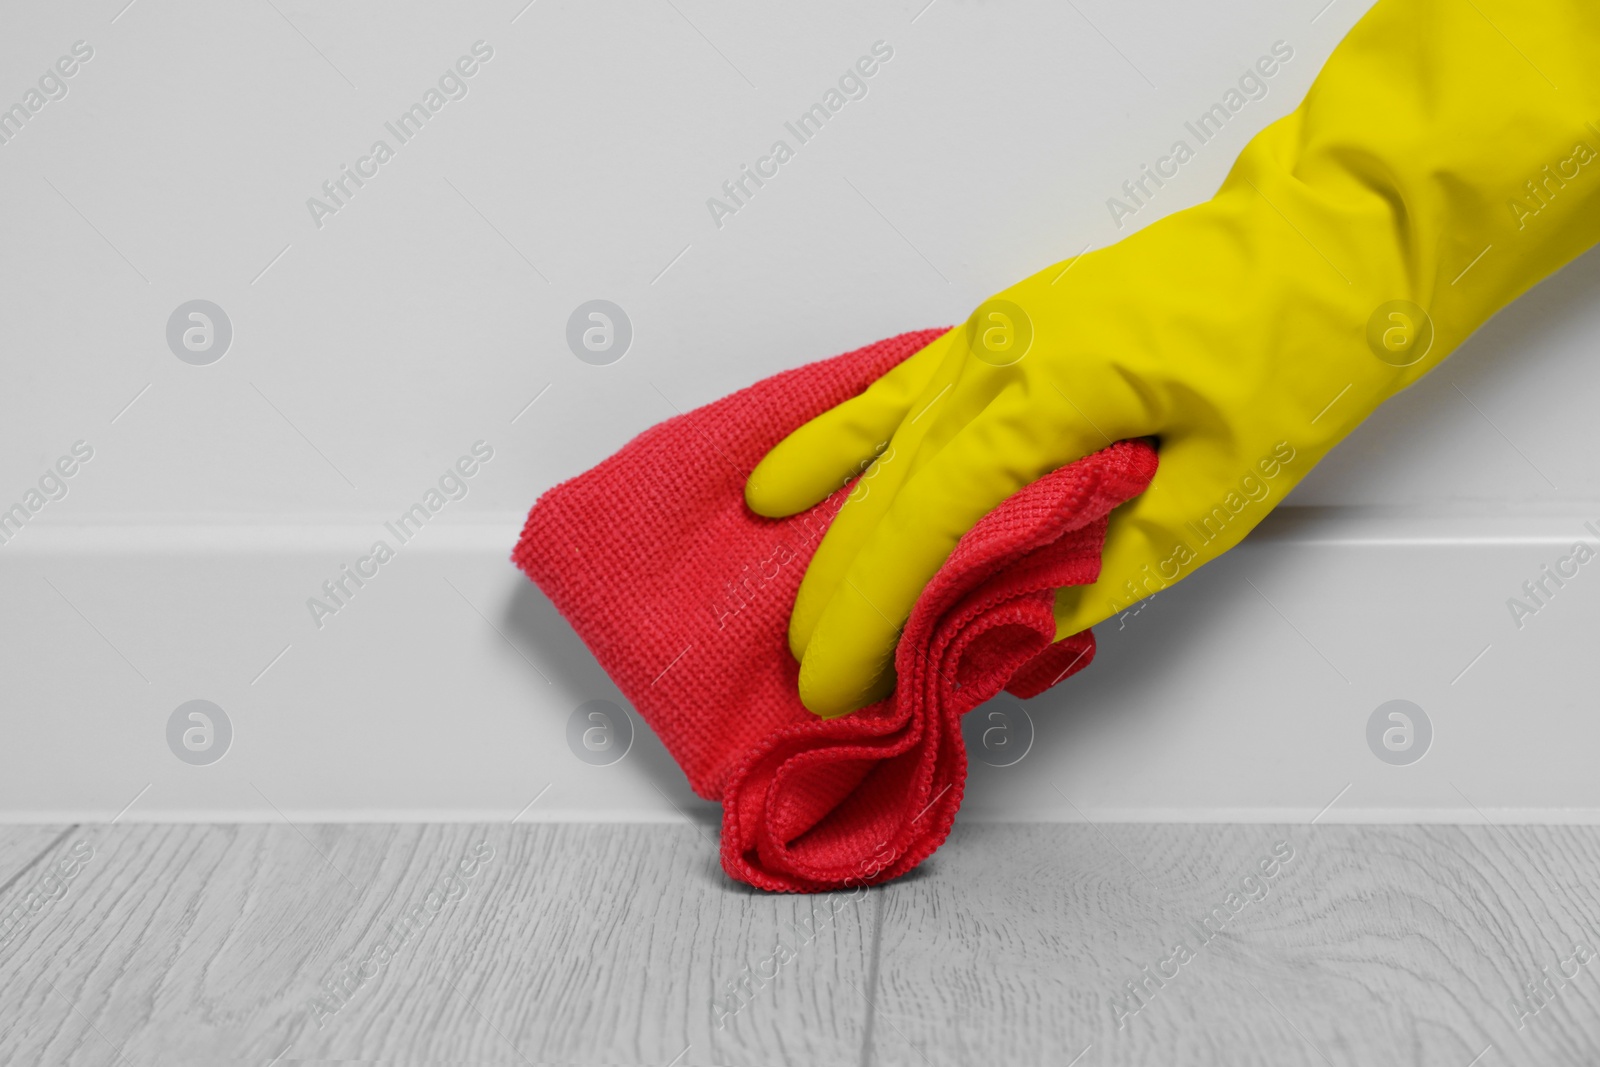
(369, 353)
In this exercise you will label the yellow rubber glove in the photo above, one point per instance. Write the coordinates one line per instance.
(1445, 160)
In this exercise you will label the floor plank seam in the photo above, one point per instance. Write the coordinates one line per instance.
(31, 864)
(872, 976)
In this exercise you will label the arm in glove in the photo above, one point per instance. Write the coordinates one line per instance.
(1445, 160)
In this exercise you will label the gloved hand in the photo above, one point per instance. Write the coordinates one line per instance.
(1433, 173)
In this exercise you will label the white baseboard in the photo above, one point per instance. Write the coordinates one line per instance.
(443, 689)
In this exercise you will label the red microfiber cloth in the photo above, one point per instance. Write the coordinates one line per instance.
(683, 594)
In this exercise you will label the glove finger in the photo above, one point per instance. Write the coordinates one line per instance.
(849, 660)
(957, 394)
(834, 447)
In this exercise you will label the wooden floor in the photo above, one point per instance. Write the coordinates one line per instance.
(610, 944)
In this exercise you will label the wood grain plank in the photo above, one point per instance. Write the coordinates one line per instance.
(559, 943)
(613, 944)
(1371, 945)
